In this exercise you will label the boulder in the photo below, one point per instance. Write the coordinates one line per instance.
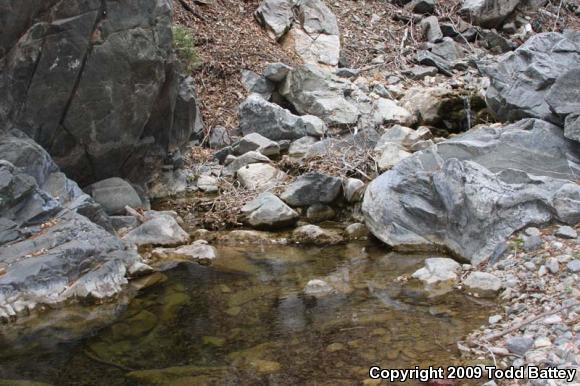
(312, 188)
(312, 90)
(276, 16)
(315, 235)
(160, 230)
(219, 138)
(257, 142)
(439, 275)
(521, 82)
(319, 49)
(388, 111)
(260, 176)
(98, 90)
(318, 288)
(353, 189)
(431, 29)
(488, 13)
(207, 183)
(356, 231)
(402, 136)
(470, 193)
(199, 251)
(273, 122)
(483, 284)
(566, 232)
(268, 211)
(114, 194)
(419, 72)
(258, 84)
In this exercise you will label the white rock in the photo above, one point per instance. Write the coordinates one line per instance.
(318, 288)
(260, 176)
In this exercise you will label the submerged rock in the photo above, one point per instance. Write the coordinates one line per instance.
(312, 234)
(470, 193)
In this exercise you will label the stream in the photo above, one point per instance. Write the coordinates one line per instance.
(246, 320)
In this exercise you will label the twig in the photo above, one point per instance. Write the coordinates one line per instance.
(526, 322)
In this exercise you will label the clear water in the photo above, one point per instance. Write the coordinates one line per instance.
(244, 320)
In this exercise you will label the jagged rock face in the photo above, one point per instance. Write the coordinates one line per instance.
(470, 193)
(537, 80)
(56, 243)
(93, 82)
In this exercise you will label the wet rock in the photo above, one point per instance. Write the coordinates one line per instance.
(300, 147)
(198, 251)
(431, 29)
(487, 13)
(256, 142)
(438, 275)
(521, 83)
(268, 211)
(314, 91)
(482, 283)
(251, 157)
(411, 205)
(353, 189)
(114, 194)
(312, 234)
(319, 212)
(258, 84)
(276, 72)
(160, 230)
(260, 176)
(356, 231)
(312, 188)
(519, 345)
(566, 232)
(420, 72)
(318, 288)
(274, 122)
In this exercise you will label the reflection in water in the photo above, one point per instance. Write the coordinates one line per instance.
(245, 320)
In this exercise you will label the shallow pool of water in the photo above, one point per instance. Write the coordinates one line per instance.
(245, 320)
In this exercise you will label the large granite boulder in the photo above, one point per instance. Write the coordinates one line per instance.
(470, 193)
(56, 243)
(538, 80)
(94, 82)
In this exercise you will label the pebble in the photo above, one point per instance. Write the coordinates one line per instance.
(532, 243)
(553, 265)
(573, 266)
(553, 319)
(530, 266)
(494, 319)
(519, 345)
(542, 342)
(532, 231)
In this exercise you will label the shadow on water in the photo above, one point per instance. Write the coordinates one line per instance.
(245, 320)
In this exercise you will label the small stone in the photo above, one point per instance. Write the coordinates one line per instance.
(542, 342)
(532, 243)
(573, 266)
(530, 266)
(532, 231)
(318, 288)
(566, 232)
(552, 319)
(542, 271)
(353, 189)
(519, 345)
(494, 319)
(483, 283)
(553, 265)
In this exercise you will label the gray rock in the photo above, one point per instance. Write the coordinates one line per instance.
(470, 193)
(319, 212)
(386, 111)
(268, 211)
(313, 91)
(114, 194)
(312, 188)
(531, 243)
(98, 91)
(573, 266)
(318, 288)
(487, 13)
(446, 49)
(219, 138)
(553, 265)
(199, 251)
(495, 42)
(159, 230)
(483, 283)
(257, 142)
(566, 232)
(276, 16)
(347, 72)
(273, 122)
(520, 82)
(402, 136)
(124, 222)
(276, 72)
(572, 127)
(258, 84)
(390, 155)
(300, 147)
(245, 159)
(8, 230)
(428, 58)
(313, 234)
(353, 189)
(207, 183)
(532, 231)
(420, 72)
(431, 29)
(519, 345)
(260, 176)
